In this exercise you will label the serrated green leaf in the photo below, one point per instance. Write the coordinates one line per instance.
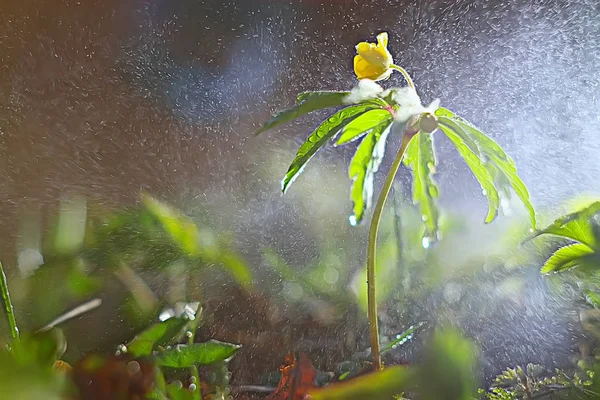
(575, 226)
(567, 257)
(477, 167)
(160, 334)
(490, 151)
(362, 169)
(305, 103)
(380, 385)
(420, 157)
(327, 130)
(198, 353)
(371, 120)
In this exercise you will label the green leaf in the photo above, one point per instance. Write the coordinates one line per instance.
(41, 349)
(575, 226)
(305, 103)
(567, 257)
(180, 228)
(593, 298)
(236, 266)
(420, 157)
(328, 129)
(176, 391)
(380, 385)
(401, 338)
(198, 353)
(490, 151)
(373, 119)
(469, 152)
(160, 334)
(448, 368)
(362, 169)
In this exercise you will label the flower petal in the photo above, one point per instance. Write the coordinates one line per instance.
(364, 69)
(382, 39)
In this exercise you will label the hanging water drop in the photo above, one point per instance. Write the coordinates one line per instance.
(426, 242)
(353, 220)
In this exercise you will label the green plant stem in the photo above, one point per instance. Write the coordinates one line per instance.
(371, 252)
(405, 74)
(8, 307)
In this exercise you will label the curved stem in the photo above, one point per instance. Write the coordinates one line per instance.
(371, 251)
(405, 74)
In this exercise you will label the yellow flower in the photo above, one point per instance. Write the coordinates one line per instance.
(373, 61)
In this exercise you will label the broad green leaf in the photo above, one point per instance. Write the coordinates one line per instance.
(373, 119)
(198, 353)
(362, 169)
(380, 385)
(328, 129)
(160, 334)
(41, 349)
(575, 226)
(493, 153)
(448, 368)
(176, 391)
(181, 229)
(420, 157)
(483, 176)
(567, 257)
(305, 103)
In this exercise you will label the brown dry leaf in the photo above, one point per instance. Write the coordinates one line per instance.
(297, 378)
(114, 377)
(62, 366)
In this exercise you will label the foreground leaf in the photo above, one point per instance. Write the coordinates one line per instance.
(305, 103)
(380, 385)
(328, 129)
(448, 368)
(491, 150)
(160, 334)
(567, 257)
(362, 125)
(420, 157)
(198, 353)
(575, 226)
(469, 152)
(362, 169)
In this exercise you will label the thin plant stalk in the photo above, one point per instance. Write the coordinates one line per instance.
(404, 74)
(371, 251)
(8, 307)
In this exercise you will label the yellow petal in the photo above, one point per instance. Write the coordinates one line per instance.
(365, 70)
(382, 39)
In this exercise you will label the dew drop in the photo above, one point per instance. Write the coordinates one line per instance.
(426, 242)
(353, 220)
